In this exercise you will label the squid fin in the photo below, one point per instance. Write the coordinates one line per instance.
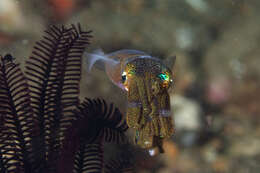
(97, 58)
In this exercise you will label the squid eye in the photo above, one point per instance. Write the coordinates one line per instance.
(163, 77)
(124, 77)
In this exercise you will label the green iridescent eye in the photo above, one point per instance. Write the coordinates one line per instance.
(132, 72)
(163, 77)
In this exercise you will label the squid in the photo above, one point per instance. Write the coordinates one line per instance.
(146, 80)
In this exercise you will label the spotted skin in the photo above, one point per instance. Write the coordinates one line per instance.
(146, 80)
(150, 117)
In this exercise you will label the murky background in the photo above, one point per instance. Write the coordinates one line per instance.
(216, 95)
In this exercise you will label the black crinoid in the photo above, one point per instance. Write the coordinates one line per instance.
(43, 126)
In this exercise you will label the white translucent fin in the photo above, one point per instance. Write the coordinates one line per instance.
(128, 52)
(97, 55)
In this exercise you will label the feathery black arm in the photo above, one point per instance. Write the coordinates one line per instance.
(54, 72)
(16, 114)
